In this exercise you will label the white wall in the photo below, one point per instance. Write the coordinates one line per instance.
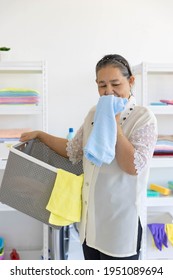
(72, 35)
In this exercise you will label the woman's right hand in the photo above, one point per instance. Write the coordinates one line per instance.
(26, 136)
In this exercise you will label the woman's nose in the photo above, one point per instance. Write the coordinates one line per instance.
(109, 90)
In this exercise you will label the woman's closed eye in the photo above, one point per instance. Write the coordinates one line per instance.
(116, 85)
(102, 86)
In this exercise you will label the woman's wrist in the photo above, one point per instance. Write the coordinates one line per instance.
(40, 135)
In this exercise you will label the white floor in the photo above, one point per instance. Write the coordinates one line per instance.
(75, 248)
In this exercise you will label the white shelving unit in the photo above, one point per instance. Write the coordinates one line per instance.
(153, 83)
(28, 236)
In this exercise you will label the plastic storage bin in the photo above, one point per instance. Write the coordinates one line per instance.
(29, 178)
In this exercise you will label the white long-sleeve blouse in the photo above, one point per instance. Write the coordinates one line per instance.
(111, 197)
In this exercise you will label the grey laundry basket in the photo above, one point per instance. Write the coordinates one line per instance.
(29, 178)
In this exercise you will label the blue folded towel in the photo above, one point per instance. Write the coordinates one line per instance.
(100, 147)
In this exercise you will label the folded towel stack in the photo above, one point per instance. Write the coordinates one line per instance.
(100, 147)
(17, 96)
(7, 135)
(164, 146)
(162, 102)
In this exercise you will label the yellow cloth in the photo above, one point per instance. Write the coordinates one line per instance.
(65, 202)
(169, 231)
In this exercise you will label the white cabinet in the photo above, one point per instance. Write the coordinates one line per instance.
(154, 82)
(28, 236)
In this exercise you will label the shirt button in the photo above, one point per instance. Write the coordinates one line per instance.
(85, 202)
(87, 184)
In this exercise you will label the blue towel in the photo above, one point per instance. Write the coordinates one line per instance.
(100, 147)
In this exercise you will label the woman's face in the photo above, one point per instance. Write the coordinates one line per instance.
(111, 81)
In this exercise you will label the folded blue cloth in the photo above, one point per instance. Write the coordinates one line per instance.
(100, 147)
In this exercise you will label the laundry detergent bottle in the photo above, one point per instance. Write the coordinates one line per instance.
(70, 134)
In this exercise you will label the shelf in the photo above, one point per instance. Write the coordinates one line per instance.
(25, 255)
(29, 237)
(21, 66)
(154, 254)
(159, 67)
(20, 110)
(154, 82)
(159, 201)
(162, 110)
(153, 68)
(160, 162)
(27, 67)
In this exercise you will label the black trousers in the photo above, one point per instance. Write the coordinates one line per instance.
(93, 254)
